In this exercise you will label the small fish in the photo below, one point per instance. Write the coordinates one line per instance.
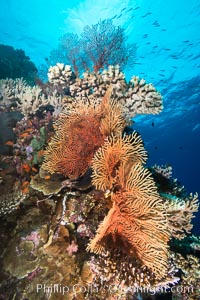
(156, 24)
(9, 143)
(25, 187)
(47, 177)
(34, 169)
(26, 168)
(24, 135)
(40, 153)
(25, 183)
(152, 124)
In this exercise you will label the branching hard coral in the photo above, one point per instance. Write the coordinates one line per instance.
(27, 98)
(190, 277)
(115, 152)
(60, 74)
(180, 213)
(10, 90)
(164, 170)
(135, 96)
(136, 222)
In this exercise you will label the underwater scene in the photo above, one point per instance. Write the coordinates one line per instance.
(99, 150)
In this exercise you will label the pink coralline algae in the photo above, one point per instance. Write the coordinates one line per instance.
(83, 230)
(33, 274)
(34, 237)
(72, 248)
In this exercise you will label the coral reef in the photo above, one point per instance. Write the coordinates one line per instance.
(10, 90)
(165, 171)
(135, 96)
(91, 217)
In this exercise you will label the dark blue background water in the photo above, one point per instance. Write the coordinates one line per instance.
(167, 34)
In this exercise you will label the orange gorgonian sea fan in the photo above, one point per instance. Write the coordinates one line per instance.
(116, 150)
(78, 134)
(136, 223)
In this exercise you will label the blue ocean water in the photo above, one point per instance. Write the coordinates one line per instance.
(168, 45)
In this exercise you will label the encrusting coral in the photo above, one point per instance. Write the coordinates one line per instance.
(10, 202)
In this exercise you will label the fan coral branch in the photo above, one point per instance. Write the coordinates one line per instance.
(136, 222)
(116, 151)
(112, 121)
(76, 139)
(79, 133)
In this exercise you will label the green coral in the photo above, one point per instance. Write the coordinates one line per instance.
(37, 144)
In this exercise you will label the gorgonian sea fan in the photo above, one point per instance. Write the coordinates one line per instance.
(78, 134)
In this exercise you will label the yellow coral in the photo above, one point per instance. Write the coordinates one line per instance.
(114, 152)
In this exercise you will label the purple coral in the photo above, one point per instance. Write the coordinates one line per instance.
(29, 150)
